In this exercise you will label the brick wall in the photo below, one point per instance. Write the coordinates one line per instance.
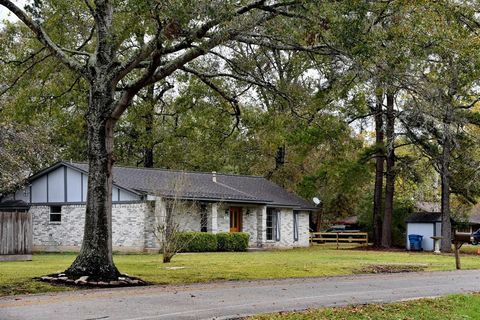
(134, 225)
(128, 227)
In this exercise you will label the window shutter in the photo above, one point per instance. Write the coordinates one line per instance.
(295, 226)
(277, 225)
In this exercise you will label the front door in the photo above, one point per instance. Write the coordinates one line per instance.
(235, 219)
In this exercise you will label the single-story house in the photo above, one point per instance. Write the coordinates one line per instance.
(271, 215)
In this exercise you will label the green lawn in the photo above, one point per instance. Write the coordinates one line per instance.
(454, 307)
(15, 277)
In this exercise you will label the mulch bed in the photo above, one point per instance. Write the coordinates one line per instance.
(123, 280)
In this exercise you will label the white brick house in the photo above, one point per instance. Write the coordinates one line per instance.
(225, 203)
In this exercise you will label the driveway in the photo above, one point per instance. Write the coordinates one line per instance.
(226, 300)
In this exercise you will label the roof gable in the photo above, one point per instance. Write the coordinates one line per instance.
(80, 167)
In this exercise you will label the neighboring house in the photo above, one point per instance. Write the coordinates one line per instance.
(226, 203)
(473, 220)
(426, 224)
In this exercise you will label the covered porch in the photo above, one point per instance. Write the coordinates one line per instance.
(267, 226)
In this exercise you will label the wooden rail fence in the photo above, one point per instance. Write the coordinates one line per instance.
(317, 238)
(15, 236)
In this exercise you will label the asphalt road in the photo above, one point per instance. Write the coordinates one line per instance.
(226, 300)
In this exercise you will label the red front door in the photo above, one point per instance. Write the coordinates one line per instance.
(235, 219)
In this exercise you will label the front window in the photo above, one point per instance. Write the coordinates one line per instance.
(269, 224)
(203, 218)
(273, 224)
(56, 214)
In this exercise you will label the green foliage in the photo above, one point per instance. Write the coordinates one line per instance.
(403, 208)
(23, 150)
(197, 241)
(341, 183)
(232, 241)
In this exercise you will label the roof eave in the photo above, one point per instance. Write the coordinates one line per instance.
(215, 199)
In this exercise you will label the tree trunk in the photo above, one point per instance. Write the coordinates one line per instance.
(458, 265)
(390, 172)
(95, 259)
(379, 158)
(319, 218)
(445, 198)
(280, 157)
(279, 163)
(148, 116)
(166, 258)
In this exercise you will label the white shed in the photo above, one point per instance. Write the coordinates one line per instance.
(426, 224)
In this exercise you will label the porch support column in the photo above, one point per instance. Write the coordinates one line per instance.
(159, 216)
(214, 218)
(160, 210)
(261, 226)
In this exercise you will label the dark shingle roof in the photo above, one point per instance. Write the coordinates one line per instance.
(425, 217)
(13, 205)
(474, 217)
(200, 185)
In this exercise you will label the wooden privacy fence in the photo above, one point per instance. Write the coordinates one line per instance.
(317, 238)
(15, 235)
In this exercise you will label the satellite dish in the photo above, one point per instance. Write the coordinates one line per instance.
(316, 201)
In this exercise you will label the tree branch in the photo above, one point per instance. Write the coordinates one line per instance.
(23, 73)
(43, 37)
(233, 101)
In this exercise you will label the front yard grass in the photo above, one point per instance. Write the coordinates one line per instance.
(16, 277)
(453, 307)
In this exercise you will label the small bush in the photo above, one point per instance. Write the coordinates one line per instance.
(197, 241)
(237, 241)
(208, 242)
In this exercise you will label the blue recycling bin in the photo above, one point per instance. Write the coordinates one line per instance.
(415, 242)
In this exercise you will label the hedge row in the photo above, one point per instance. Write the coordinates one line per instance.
(209, 242)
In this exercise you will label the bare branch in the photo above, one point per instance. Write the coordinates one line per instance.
(166, 70)
(87, 40)
(260, 40)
